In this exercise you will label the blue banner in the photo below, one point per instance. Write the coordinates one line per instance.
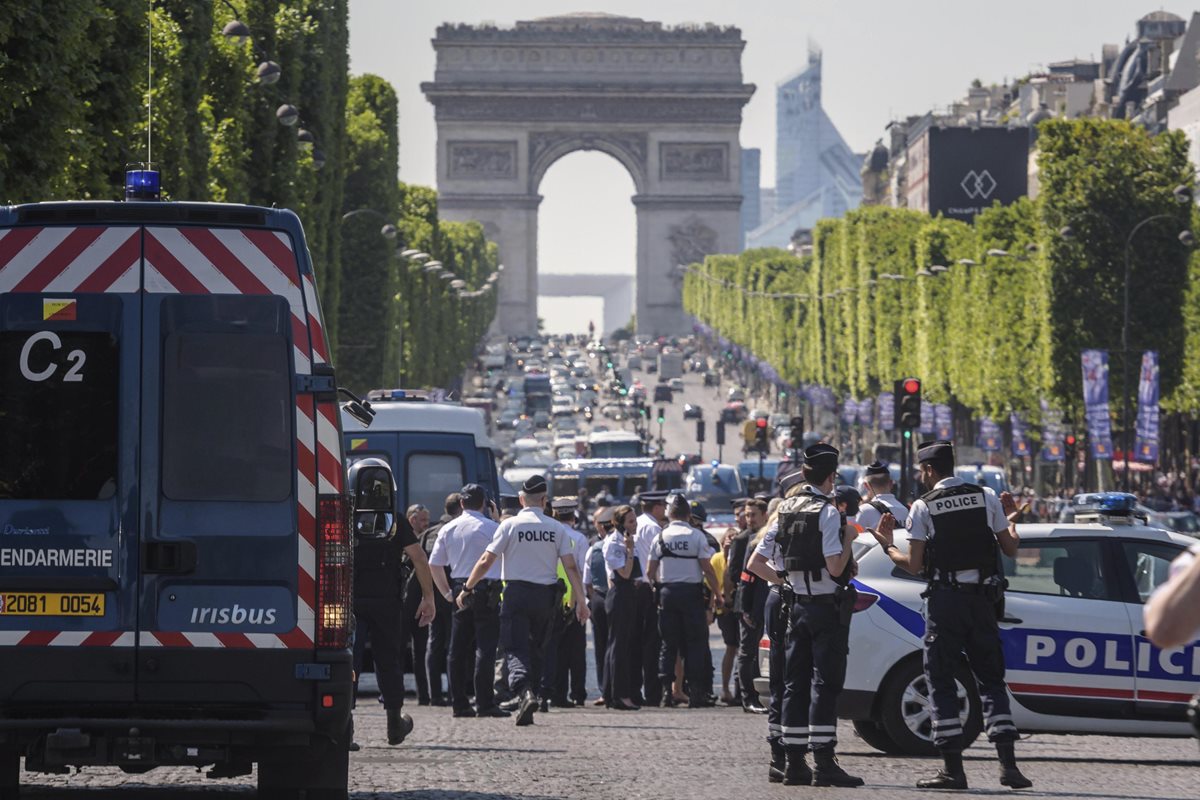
(866, 412)
(1052, 434)
(989, 435)
(850, 411)
(943, 422)
(928, 424)
(1095, 402)
(1146, 448)
(1020, 436)
(887, 415)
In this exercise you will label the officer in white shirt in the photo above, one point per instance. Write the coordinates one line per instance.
(595, 583)
(623, 568)
(680, 560)
(529, 547)
(566, 685)
(459, 545)
(646, 642)
(880, 498)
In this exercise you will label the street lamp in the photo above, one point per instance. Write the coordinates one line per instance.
(287, 114)
(938, 269)
(388, 231)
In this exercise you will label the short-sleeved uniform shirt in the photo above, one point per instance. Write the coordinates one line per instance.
(920, 524)
(869, 516)
(615, 555)
(688, 545)
(648, 530)
(461, 542)
(529, 546)
(831, 545)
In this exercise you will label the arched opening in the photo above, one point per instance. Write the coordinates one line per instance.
(587, 244)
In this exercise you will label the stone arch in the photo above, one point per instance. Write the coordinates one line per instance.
(664, 102)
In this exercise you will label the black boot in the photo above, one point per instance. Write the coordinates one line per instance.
(829, 772)
(399, 725)
(796, 773)
(1010, 776)
(778, 762)
(950, 776)
(697, 699)
(668, 695)
(529, 704)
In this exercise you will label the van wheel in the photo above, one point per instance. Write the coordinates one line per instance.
(320, 772)
(907, 709)
(10, 773)
(873, 734)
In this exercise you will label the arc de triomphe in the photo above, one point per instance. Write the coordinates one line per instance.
(665, 102)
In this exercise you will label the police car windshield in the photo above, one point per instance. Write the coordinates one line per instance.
(714, 487)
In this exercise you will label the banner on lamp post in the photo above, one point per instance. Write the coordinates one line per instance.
(1095, 402)
(989, 435)
(1052, 434)
(887, 420)
(866, 412)
(928, 423)
(943, 422)
(1020, 436)
(850, 411)
(1146, 448)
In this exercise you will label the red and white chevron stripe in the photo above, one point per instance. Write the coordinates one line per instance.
(80, 260)
(67, 638)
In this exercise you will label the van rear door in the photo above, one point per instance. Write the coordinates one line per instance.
(70, 321)
(228, 468)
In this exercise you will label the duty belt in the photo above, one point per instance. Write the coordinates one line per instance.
(815, 599)
(969, 588)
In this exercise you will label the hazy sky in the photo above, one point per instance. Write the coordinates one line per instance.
(883, 59)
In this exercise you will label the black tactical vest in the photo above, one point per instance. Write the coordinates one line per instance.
(799, 534)
(962, 539)
(377, 568)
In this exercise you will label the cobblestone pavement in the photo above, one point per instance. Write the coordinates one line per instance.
(594, 754)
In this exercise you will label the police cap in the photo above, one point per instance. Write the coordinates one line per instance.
(790, 479)
(534, 484)
(850, 496)
(565, 503)
(652, 498)
(821, 456)
(877, 468)
(605, 515)
(937, 449)
(739, 502)
(699, 511)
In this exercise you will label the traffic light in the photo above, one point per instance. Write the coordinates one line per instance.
(908, 404)
(1069, 445)
(662, 415)
(760, 435)
(797, 433)
(700, 431)
(720, 433)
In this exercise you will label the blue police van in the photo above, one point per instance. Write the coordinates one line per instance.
(175, 551)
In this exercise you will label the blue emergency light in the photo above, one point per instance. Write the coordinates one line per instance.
(142, 184)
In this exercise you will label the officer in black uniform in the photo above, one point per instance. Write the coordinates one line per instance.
(595, 583)
(807, 551)
(955, 531)
(379, 606)
(747, 595)
(437, 648)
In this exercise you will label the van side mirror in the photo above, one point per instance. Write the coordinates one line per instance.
(374, 499)
(358, 408)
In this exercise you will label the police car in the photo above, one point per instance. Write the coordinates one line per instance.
(174, 531)
(1075, 651)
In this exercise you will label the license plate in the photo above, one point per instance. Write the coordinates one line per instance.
(50, 604)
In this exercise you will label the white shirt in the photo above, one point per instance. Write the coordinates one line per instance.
(579, 547)
(530, 545)
(615, 555)
(869, 516)
(586, 576)
(689, 546)
(461, 542)
(648, 530)
(920, 522)
(831, 545)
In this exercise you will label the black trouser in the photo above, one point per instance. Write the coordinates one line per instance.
(418, 637)
(438, 646)
(382, 621)
(548, 677)
(620, 606)
(957, 622)
(524, 614)
(599, 633)
(749, 636)
(814, 671)
(776, 628)
(474, 633)
(644, 658)
(570, 674)
(684, 629)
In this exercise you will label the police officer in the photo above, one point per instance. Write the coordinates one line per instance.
(646, 687)
(848, 501)
(566, 685)
(529, 547)
(880, 499)
(476, 628)
(379, 604)
(623, 568)
(595, 583)
(683, 557)
(747, 595)
(438, 645)
(954, 530)
(808, 547)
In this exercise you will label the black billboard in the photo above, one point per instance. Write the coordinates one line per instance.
(972, 168)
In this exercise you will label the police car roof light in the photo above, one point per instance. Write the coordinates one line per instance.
(142, 184)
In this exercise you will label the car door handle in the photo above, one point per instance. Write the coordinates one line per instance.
(1011, 620)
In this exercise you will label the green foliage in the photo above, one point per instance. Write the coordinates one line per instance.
(998, 324)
